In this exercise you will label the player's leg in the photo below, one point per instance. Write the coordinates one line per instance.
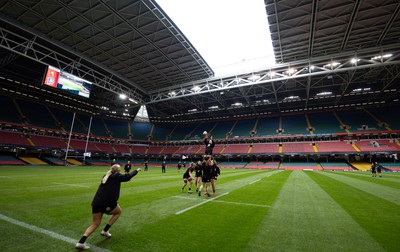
(115, 214)
(184, 184)
(96, 220)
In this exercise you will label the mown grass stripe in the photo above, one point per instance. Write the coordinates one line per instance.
(379, 217)
(305, 218)
(379, 190)
(390, 182)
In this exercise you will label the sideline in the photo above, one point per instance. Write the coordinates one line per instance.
(49, 233)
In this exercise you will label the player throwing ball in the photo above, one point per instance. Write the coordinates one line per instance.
(106, 202)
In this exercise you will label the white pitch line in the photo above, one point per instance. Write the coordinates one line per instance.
(241, 203)
(183, 197)
(48, 233)
(199, 204)
(255, 181)
(70, 185)
(6, 177)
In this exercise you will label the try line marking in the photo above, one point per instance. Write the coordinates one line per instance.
(48, 233)
(199, 204)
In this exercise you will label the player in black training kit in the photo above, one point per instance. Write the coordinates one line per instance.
(187, 176)
(179, 166)
(163, 167)
(209, 145)
(215, 172)
(106, 202)
(373, 169)
(198, 174)
(206, 176)
(127, 167)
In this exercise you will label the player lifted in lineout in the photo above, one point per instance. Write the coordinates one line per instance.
(210, 143)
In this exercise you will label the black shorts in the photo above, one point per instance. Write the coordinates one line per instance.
(213, 178)
(104, 209)
(186, 176)
(205, 179)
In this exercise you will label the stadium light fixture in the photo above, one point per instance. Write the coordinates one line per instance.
(331, 65)
(196, 89)
(354, 60)
(122, 96)
(324, 93)
(237, 104)
(384, 56)
(254, 77)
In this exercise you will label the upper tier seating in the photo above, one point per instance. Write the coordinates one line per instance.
(10, 114)
(296, 124)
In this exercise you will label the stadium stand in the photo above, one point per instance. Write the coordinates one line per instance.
(98, 128)
(391, 166)
(140, 130)
(123, 148)
(33, 161)
(234, 149)
(243, 128)
(390, 118)
(295, 124)
(297, 147)
(262, 165)
(334, 147)
(48, 142)
(105, 147)
(117, 129)
(358, 120)
(324, 123)
(98, 162)
(54, 160)
(267, 126)
(361, 165)
(13, 139)
(10, 114)
(138, 149)
(377, 145)
(162, 132)
(270, 148)
(37, 114)
(74, 161)
(336, 166)
(299, 166)
(230, 164)
(189, 149)
(10, 160)
(65, 118)
(222, 130)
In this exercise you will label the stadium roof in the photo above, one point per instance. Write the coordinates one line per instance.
(330, 54)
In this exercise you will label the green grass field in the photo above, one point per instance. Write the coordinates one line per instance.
(48, 209)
